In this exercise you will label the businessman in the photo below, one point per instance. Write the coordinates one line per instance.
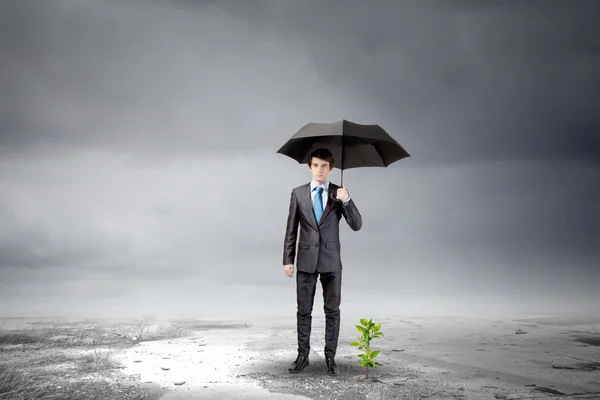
(317, 207)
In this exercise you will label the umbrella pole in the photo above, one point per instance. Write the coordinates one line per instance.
(342, 162)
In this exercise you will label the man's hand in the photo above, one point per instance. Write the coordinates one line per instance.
(342, 193)
(289, 270)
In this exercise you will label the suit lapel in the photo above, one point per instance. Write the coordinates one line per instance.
(329, 206)
(308, 206)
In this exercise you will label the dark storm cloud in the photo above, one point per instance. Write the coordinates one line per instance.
(459, 80)
(166, 116)
(145, 78)
(451, 80)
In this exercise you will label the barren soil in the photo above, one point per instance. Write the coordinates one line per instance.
(422, 358)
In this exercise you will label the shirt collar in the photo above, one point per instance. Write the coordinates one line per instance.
(313, 185)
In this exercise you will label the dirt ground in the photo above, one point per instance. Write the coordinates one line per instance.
(422, 358)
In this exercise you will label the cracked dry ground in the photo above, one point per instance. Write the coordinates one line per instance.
(422, 358)
(449, 358)
(276, 351)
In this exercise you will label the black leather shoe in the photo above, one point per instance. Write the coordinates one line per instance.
(298, 365)
(332, 368)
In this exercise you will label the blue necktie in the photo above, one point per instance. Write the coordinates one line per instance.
(318, 204)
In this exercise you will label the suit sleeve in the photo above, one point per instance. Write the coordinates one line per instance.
(291, 232)
(352, 216)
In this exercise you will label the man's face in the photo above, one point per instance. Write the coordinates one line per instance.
(320, 170)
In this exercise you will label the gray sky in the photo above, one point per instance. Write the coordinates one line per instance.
(139, 174)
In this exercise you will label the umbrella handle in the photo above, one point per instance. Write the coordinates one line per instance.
(334, 195)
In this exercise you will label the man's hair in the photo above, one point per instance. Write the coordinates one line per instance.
(323, 154)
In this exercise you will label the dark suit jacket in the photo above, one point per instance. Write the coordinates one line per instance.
(318, 244)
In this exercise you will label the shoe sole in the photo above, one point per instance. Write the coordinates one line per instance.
(332, 372)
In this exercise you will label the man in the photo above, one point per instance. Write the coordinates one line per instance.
(317, 208)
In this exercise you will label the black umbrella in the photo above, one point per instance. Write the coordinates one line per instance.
(352, 145)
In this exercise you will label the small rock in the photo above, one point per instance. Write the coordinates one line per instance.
(548, 390)
(137, 361)
(179, 383)
(520, 332)
(165, 368)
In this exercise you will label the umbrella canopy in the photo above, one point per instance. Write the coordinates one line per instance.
(352, 145)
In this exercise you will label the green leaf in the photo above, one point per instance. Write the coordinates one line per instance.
(360, 328)
(378, 334)
(375, 354)
(354, 344)
(364, 322)
(371, 364)
(368, 352)
(377, 328)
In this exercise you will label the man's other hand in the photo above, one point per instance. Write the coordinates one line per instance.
(289, 270)
(342, 193)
